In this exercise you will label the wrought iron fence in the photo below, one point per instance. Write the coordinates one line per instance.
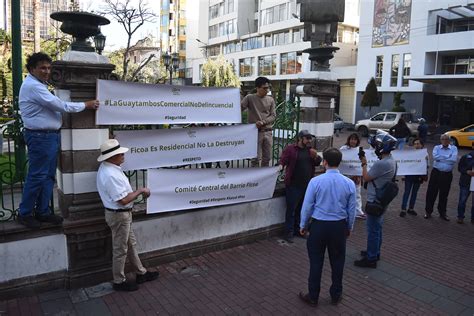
(13, 162)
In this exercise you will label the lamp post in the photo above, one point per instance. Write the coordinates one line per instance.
(99, 41)
(171, 63)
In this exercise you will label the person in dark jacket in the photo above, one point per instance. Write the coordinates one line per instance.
(401, 132)
(299, 161)
(422, 130)
(466, 169)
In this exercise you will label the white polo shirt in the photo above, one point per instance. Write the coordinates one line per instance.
(113, 186)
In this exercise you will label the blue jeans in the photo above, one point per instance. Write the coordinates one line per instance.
(401, 143)
(411, 185)
(42, 161)
(294, 198)
(463, 196)
(330, 235)
(374, 236)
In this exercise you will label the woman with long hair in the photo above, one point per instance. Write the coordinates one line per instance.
(353, 141)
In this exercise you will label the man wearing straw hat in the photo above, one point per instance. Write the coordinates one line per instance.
(118, 196)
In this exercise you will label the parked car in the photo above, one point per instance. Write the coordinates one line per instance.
(385, 120)
(463, 137)
(338, 123)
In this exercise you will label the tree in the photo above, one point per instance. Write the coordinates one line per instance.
(371, 96)
(131, 18)
(218, 72)
(397, 102)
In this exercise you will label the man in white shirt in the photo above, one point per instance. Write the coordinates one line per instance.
(118, 196)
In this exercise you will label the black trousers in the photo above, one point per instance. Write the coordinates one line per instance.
(330, 235)
(440, 182)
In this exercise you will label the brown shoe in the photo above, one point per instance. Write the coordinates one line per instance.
(460, 221)
(125, 286)
(308, 300)
(148, 276)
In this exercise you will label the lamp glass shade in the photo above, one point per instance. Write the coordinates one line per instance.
(166, 59)
(175, 61)
(99, 41)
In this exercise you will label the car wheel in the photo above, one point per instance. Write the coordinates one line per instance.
(454, 141)
(363, 130)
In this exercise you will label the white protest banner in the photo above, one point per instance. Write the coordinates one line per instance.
(139, 103)
(409, 162)
(175, 189)
(180, 146)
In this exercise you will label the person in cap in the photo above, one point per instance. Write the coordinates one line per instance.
(41, 113)
(328, 214)
(299, 161)
(381, 172)
(117, 196)
(261, 112)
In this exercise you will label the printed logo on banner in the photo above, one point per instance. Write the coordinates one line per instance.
(221, 174)
(176, 91)
(191, 133)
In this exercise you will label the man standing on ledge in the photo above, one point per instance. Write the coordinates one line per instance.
(117, 195)
(261, 112)
(41, 113)
(330, 202)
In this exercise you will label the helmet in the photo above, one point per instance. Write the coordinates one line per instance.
(421, 120)
(382, 142)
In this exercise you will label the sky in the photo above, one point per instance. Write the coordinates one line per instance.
(116, 37)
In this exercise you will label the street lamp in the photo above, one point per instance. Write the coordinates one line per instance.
(99, 41)
(171, 63)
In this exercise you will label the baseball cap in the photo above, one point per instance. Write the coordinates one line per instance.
(305, 133)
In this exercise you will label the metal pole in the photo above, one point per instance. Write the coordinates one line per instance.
(16, 51)
(171, 74)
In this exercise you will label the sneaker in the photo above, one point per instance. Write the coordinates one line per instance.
(363, 253)
(308, 300)
(51, 218)
(403, 214)
(365, 263)
(148, 276)
(289, 238)
(412, 212)
(361, 216)
(336, 300)
(427, 216)
(460, 221)
(29, 221)
(125, 286)
(444, 218)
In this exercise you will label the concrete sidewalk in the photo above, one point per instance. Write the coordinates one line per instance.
(426, 269)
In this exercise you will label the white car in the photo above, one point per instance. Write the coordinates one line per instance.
(384, 121)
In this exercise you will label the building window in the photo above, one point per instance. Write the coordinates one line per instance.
(457, 65)
(452, 26)
(229, 48)
(297, 35)
(268, 40)
(395, 68)
(406, 69)
(267, 65)
(379, 70)
(229, 6)
(290, 63)
(182, 45)
(275, 14)
(245, 66)
(214, 50)
(281, 38)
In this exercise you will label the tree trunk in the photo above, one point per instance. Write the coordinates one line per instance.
(36, 22)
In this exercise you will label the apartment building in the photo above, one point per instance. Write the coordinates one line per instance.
(423, 48)
(264, 38)
(173, 30)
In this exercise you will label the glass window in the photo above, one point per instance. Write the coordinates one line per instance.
(394, 73)
(214, 50)
(245, 67)
(297, 35)
(406, 69)
(390, 117)
(290, 63)
(379, 70)
(378, 117)
(267, 65)
(268, 40)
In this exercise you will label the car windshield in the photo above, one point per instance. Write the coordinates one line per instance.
(407, 117)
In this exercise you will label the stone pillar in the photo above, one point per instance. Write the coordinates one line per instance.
(88, 237)
(317, 91)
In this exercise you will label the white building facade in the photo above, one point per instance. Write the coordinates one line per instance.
(424, 49)
(264, 38)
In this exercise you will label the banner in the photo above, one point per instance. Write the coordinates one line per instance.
(174, 189)
(409, 162)
(138, 103)
(181, 146)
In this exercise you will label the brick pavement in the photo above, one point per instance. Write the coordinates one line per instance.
(426, 269)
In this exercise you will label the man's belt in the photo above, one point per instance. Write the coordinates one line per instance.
(46, 131)
(120, 210)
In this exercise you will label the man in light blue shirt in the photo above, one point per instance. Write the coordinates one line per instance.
(445, 157)
(41, 113)
(330, 203)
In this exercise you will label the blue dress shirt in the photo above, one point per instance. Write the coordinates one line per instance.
(40, 109)
(330, 197)
(445, 158)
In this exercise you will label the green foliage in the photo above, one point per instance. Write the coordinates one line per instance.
(370, 97)
(397, 103)
(218, 72)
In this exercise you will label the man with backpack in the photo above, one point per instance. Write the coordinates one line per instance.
(381, 189)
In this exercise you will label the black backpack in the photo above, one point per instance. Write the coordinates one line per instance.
(388, 191)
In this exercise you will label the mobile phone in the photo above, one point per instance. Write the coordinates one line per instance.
(361, 152)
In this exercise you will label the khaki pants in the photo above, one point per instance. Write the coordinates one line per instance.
(264, 149)
(123, 243)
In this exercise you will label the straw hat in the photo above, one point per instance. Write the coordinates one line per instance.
(110, 148)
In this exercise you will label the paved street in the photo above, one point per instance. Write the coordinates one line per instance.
(426, 269)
